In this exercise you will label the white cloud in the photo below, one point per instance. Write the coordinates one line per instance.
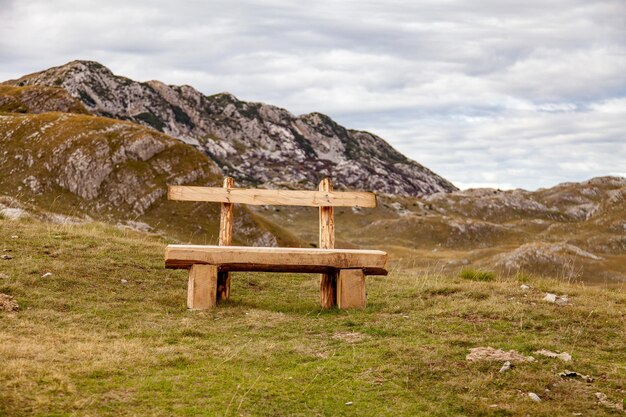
(483, 92)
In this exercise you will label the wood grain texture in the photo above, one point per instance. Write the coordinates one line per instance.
(244, 258)
(327, 219)
(225, 239)
(226, 217)
(202, 287)
(351, 289)
(328, 281)
(272, 197)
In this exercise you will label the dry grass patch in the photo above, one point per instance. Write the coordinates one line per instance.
(349, 337)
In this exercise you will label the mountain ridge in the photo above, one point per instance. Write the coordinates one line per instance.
(56, 164)
(72, 167)
(62, 159)
(257, 143)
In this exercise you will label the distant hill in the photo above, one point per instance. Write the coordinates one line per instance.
(256, 143)
(572, 231)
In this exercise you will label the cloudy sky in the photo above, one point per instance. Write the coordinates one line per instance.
(483, 92)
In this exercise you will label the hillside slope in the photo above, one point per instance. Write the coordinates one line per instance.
(573, 231)
(38, 99)
(93, 167)
(108, 334)
(256, 143)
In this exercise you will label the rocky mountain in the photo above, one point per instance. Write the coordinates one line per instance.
(60, 161)
(258, 144)
(72, 166)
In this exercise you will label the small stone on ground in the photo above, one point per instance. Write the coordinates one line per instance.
(6, 257)
(560, 300)
(4, 276)
(47, 275)
(572, 374)
(564, 356)
(506, 366)
(604, 400)
(8, 303)
(491, 354)
(534, 397)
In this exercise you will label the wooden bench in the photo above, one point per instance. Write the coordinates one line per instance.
(343, 270)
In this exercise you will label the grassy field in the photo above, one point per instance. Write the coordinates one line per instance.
(108, 334)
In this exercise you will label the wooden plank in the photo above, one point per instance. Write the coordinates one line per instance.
(272, 197)
(226, 217)
(328, 281)
(351, 289)
(225, 239)
(202, 287)
(244, 258)
(327, 219)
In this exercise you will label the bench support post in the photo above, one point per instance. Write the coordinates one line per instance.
(351, 289)
(202, 287)
(328, 282)
(225, 239)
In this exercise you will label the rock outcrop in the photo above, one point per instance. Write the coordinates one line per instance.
(256, 143)
(105, 169)
(116, 164)
(556, 256)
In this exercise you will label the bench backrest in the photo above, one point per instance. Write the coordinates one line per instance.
(326, 199)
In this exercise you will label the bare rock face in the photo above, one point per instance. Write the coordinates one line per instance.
(33, 184)
(556, 256)
(107, 163)
(492, 204)
(256, 143)
(83, 172)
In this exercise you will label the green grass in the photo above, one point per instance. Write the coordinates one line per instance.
(83, 343)
(476, 275)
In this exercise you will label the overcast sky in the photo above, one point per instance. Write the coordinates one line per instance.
(484, 93)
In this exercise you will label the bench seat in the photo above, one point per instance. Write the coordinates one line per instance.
(245, 258)
(342, 271)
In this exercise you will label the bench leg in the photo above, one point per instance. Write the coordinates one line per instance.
(223, 285)
(351, 289)
(202, 287)
(328, 290)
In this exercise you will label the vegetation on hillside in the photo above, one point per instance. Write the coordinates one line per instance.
(573, 231)
(38, 99)
(85, 166)
(102, 329)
